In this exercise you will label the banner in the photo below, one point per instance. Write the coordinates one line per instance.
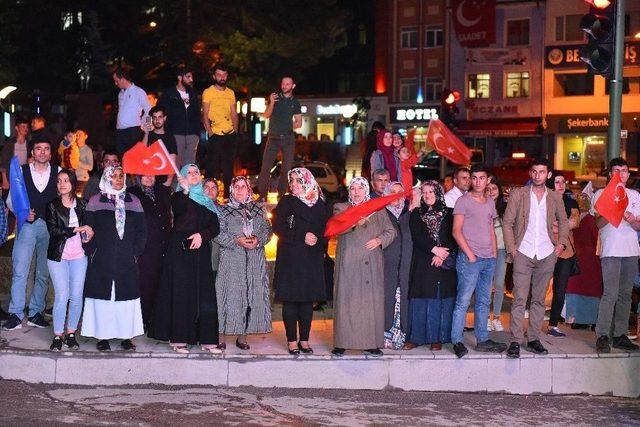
(475, 22)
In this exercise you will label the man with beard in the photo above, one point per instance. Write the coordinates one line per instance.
(285, 115)
(183, 115)
(220, 120)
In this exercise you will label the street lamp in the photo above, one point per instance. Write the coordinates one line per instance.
(6, 118)
(6, 91)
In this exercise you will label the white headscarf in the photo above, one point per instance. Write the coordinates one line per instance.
(358, 180)
(116, 195)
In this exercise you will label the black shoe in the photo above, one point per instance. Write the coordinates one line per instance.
(103, 345)
(294, 351)
(4, 316)
(624, 343)
(128, 345)
(579, 326)
(602, 344)
(48, 312)
(12, 324)
(536, 346)
(37, 321)
(460, 350)
(242, 345)
(56, 345)
(513, 352)
(304, 350)
(339, 352)
(71, 342)
(375, 352)
(490, 346)
(468, 329)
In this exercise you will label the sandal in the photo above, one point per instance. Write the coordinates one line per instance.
(181, 349)
(211, 348)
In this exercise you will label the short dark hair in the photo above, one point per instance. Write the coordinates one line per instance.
(479, 167)
(110, 152)
(21, 120)
(122, 73)
(461, 169)
(377, 125)
(72, 180)
(449, 175)
(181, 70)
(157, 108)
(288, 76)
(541, 162)
(219, 66)
(618, 161)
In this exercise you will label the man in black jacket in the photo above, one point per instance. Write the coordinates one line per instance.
(183, 115)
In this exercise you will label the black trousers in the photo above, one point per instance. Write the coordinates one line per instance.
(561, 275)
(297, 315)
(127, 138)
(221, 154)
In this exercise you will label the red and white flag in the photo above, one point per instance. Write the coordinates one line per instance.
(474, 22)
(447, 144)
(613, 201)
(151, 160)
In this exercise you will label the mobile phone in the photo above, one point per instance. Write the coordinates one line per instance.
(186, 244)
(83, 236)
(148, 121)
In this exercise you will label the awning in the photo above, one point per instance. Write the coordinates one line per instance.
(499, 127)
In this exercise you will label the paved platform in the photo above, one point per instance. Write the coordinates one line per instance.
(572, 367)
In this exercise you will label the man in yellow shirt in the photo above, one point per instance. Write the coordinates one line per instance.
(220, 120)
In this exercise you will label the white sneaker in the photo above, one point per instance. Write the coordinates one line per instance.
(526, 314)
(489, 325)
(497, 325)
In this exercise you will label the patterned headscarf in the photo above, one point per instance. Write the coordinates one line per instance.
(311, 191)
(148, 191)
(106, 188)
(358, 180)
(432, 215)
(232, 198)
(395, 210)
(196, 191)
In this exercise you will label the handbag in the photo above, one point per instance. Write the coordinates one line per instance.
(449, 262)
(575, 267)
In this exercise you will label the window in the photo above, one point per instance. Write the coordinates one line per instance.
(433, 88)
(408, 89)
(573, 84)
(67, 20)
(518, 32)
(518, 85)
(433, 37)
(362, 34)
(409, 38)
(629, 85)
(568, 28)
(478, 86)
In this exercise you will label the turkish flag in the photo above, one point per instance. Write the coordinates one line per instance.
(613, 201)
(474, 22)
(447, 144)
(151, 160)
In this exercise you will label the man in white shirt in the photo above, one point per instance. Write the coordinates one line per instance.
(133, 105)
(619, 251)
(461, 184)
(527, 227)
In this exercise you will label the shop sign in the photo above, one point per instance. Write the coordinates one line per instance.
(568, 56)
(583, 123)
(345, 110)
(495, 109)
(412, 114)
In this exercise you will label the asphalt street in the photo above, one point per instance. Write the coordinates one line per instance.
(30, 405)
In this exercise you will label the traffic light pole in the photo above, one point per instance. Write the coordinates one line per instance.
(615, 86)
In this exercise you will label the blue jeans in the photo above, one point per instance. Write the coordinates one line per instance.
(33, 238)
(472, 277)
(68, 283)
(498, 281)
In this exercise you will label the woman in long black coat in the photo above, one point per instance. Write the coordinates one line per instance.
(156, 202)
(433, 282)
(397, 264)
(299, 221)
(186, 309)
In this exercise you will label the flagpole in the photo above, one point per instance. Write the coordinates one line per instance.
(166, 152)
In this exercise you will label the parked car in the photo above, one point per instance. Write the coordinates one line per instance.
(429, 167)
(322, 172)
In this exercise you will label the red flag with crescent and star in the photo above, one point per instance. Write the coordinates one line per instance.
(447, 144)
(474, 22)
(613, 201)
(151, 160)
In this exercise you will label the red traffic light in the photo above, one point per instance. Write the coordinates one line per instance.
(452, 97)
(600, 4)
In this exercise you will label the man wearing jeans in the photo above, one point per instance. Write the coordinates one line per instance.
(284, 116)
(530, 241)
(619, 251)
(473, 217)
(40, 178)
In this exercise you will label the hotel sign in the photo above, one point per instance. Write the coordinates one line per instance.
(568, 56)
(413, 114)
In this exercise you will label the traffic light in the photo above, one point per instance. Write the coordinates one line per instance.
(599, 24)
(450, 109)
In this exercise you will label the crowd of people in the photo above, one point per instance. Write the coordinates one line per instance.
(176, 259)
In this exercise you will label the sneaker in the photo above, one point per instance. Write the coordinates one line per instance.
(513, 352)
(13, 323)
(622, 342)
(489, 325)
(375, 352)
(526, 314)
(48, 313)
(490, 346)
(536, 347)
(56, 345)
(556, 332)
(71, 342)
(460, 350)
(4, 316)
(497, 325)
(37, 321)
(602, 344)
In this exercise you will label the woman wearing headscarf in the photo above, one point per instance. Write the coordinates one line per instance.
(385, 157)
(359, 277)
(242, 284)
(397, 262)
(186, 308)
(156, 203)
(299, 221)
(112, 296)
(211, 190)
(432, 287)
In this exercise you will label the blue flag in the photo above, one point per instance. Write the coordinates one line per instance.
(18, 189)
